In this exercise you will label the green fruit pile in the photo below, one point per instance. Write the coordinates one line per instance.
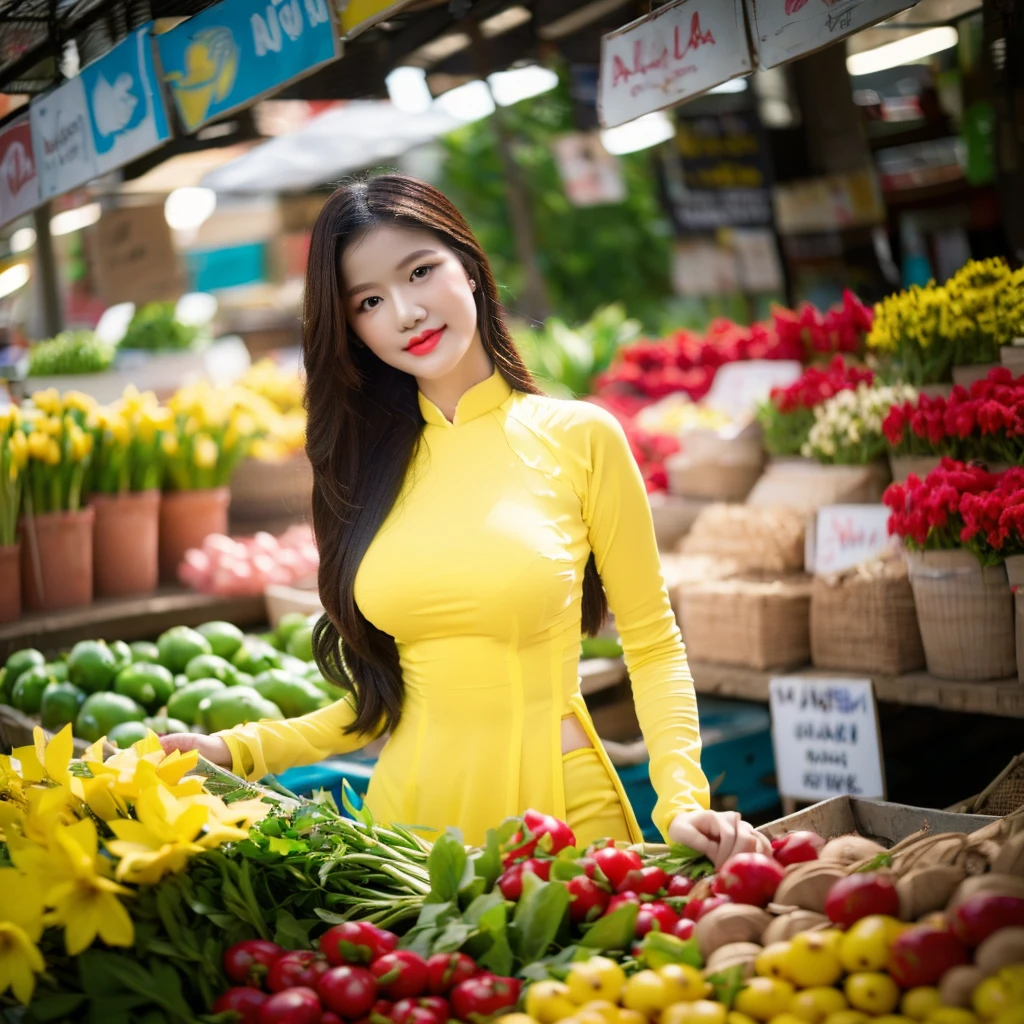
(206, 679)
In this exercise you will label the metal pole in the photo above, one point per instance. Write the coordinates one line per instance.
(47, 285)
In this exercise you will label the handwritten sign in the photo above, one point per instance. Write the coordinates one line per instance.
(673, 54)
(19, 183)
(133, 258)
(845, 536)
(786, 29)
(739, 387)
(62, 138)
(825, 734)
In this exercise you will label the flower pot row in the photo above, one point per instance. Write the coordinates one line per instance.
(117, 546)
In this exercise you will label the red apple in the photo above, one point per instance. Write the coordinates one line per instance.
(695, 909)
(981, 915)
(680, 885)
(750, 878)
(861, 895)
(921, 956)
(684, 928)
(797, 847)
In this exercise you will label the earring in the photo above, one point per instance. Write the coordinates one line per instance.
(472, 284)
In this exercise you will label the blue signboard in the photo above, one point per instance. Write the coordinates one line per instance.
(234, 52)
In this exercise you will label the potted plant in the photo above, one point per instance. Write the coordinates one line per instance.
(56, 531)
(13, 458)
(213, 430)
(125, 479)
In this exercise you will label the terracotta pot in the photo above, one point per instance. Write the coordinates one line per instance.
(10, 582)
(186, 519)
(124, 541)
(56, 560)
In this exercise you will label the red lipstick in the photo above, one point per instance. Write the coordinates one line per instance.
(425, 343)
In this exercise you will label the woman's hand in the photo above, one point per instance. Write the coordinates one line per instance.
(717, 834)
(213, 748)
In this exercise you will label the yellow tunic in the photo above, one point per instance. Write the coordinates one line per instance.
(478, 574)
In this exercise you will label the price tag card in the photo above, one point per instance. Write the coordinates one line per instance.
(826, 738)
(845, 536)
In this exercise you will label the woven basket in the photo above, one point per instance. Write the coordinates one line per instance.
(1015, 577)
(684, 572)
(749, 621)
(271, 494)
(769, 540)
(1004, 794)
(966, 615)
(865, 621)
(806, 486)
(901, 466)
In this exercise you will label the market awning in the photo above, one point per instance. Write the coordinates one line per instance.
(353, 136)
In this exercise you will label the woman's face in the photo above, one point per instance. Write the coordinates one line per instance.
(409, 300)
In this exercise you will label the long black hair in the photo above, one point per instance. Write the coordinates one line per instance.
(364, 423)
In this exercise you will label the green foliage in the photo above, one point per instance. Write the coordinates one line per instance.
(586, 255)
(69, 352)
(155, 329)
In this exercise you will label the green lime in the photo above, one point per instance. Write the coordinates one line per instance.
(162, 725)
(235, 706)
(270, 639)
(287, 625)
(210, 666)
(57, 670)
(300, 644)
(240, 678)
(292, 694)
(92, 665)
(27, 694)
(290, 663)
(60, 704)
(181, 680)
(224, 638)
(122, 652)
(327, 687)
(184, 703)
(145, 650)
(254, 656)
(102, 711)
(22, 661)
(179, 645)
(601, 647)
(125, 734)
(150, 685)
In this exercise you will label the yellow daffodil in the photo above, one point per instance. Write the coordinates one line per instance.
(205, 451)
(47, 760)
(21, 925)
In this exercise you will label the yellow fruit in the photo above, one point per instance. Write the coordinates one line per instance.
(596, 978)
(764, 998)
(866, 946)
(991, 997)
(891, 1018)
(1012, 1016)
(951, 1015)
(814, 1005)
(847, 1017)
(812, 960)
(700, 1011)
(872, 991)
(786, 1018)
(771, 961)
(1012, 976)
(549, 1001)
(685, 984)
(646, 992)
(831, 937)
(608, 1012)
(735, 1017)
(919, 1002)
(519, 1018)
(632, 1017)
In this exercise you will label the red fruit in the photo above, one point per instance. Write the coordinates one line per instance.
(861, 895)
(427, 1010)
(655, 915)
(356, 942)
(647, 881)
(921, 955)
(401, 974)
(615, 864)
(589, 865)
(797, 847)
(292, 1006)
(978, 917)
(298, 969)
(247, 963)
(620, 901)
(684, 928)
(544, 832)
(244, 1001)
(330, 1017)
(511, 881)
(680, 885)
(589, 900)
(348, 991)
(484, 996)
(749, 878)
(696, 909)
(446, 970)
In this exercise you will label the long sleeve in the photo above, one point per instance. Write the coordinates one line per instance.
(269, 747)
(618, 518)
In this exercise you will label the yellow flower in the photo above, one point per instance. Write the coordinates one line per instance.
(205, 452)
(48, 401)
(45, 760)
(79, 401)
(21, 925)
(169, 443)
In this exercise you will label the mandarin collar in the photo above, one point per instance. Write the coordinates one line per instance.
(479, 400)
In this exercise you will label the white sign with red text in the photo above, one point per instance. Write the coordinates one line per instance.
(671, 55)
(786, 29)
(845, 536)
(19, 183)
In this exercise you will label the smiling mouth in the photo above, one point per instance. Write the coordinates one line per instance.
(425, 342)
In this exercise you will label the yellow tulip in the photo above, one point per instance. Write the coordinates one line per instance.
(205, 452)
(21, 925)
(79, 401)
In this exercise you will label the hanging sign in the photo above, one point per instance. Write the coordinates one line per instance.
(671, 55)
(19, 183)
(359, 15)
(786, 29)
(62, 139)
(826, 738)
(845, 536)
(239, 50)
(126, 108)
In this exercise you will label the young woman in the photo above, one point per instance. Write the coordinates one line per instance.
(469, 529)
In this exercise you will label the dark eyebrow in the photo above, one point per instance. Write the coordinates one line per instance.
(411, 258)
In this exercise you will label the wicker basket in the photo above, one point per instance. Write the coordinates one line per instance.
(806, 485)
(715, 468)
(684, 572)
(672, 517)
(865, 621)
(748, 620)
(270, 495)
(752, 539)
(1003, 795)
(901, 466)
